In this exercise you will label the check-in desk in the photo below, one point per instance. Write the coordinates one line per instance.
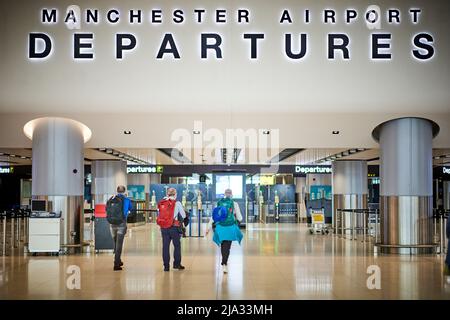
(44, 232)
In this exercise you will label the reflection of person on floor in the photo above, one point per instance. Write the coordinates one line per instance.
(447, 258)
(226, 230)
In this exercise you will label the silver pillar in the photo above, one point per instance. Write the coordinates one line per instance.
(106, 176)
(58, 172)
(406, 178)
(350, 191)
(154, 179)
(446, 196)
(300, 189)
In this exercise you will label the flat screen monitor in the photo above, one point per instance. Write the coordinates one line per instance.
(235, 182)
(38, 205)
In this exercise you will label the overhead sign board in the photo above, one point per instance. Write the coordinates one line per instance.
(306, 169)
(6, 170)
(144, 169)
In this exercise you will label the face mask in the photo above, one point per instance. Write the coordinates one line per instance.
(172, 197)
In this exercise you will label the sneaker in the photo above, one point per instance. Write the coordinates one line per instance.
(225, 268)
(121, 264)
(180, 267)
(117, 268)
(166, 269)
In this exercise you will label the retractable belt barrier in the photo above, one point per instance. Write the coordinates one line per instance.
(366, 215)
(18, 229)
(372, 217)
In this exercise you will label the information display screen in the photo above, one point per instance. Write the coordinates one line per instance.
(235, 182)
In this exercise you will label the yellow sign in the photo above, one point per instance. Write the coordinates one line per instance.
(266, 180)
(317, 218)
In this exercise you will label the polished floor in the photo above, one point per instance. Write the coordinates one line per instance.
(274, 262)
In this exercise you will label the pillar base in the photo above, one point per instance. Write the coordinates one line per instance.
(72, 220)
(406, 221)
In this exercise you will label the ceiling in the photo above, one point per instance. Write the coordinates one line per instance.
(20, 156)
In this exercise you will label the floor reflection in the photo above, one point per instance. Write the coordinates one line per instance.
(274, 262)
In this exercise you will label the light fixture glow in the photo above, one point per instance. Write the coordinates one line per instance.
(29, 127)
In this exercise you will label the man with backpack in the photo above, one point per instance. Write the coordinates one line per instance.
(226, 217)
(117, 209)
(170, 219)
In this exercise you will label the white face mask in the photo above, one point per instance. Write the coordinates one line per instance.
(172, 197)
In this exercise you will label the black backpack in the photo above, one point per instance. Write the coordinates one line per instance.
(114, 210)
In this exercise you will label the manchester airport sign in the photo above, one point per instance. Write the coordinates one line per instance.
(294, 45)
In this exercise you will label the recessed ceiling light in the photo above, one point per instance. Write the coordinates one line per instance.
(335, 132)
(266, 132)
(12, 155)
(127, 132)
(102, 149)
(1, 153)
(361, 149)
(109, 151)
(22, 157)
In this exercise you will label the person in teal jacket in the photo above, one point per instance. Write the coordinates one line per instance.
(227, 231)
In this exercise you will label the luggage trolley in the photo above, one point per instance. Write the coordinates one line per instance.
(318, 221)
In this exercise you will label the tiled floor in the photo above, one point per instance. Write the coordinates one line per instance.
(274, 262)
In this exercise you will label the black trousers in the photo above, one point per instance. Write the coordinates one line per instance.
(225, 247)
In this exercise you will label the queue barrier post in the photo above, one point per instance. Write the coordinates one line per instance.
(199, 221)
(18, 236)
(4, 235)
(442, 236)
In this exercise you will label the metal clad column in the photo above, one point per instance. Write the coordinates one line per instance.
(106, 176)
(350, 190)
(406, 178)
(58, 171)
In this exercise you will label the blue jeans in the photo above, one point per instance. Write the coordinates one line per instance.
(118, 234)
(168, 235)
